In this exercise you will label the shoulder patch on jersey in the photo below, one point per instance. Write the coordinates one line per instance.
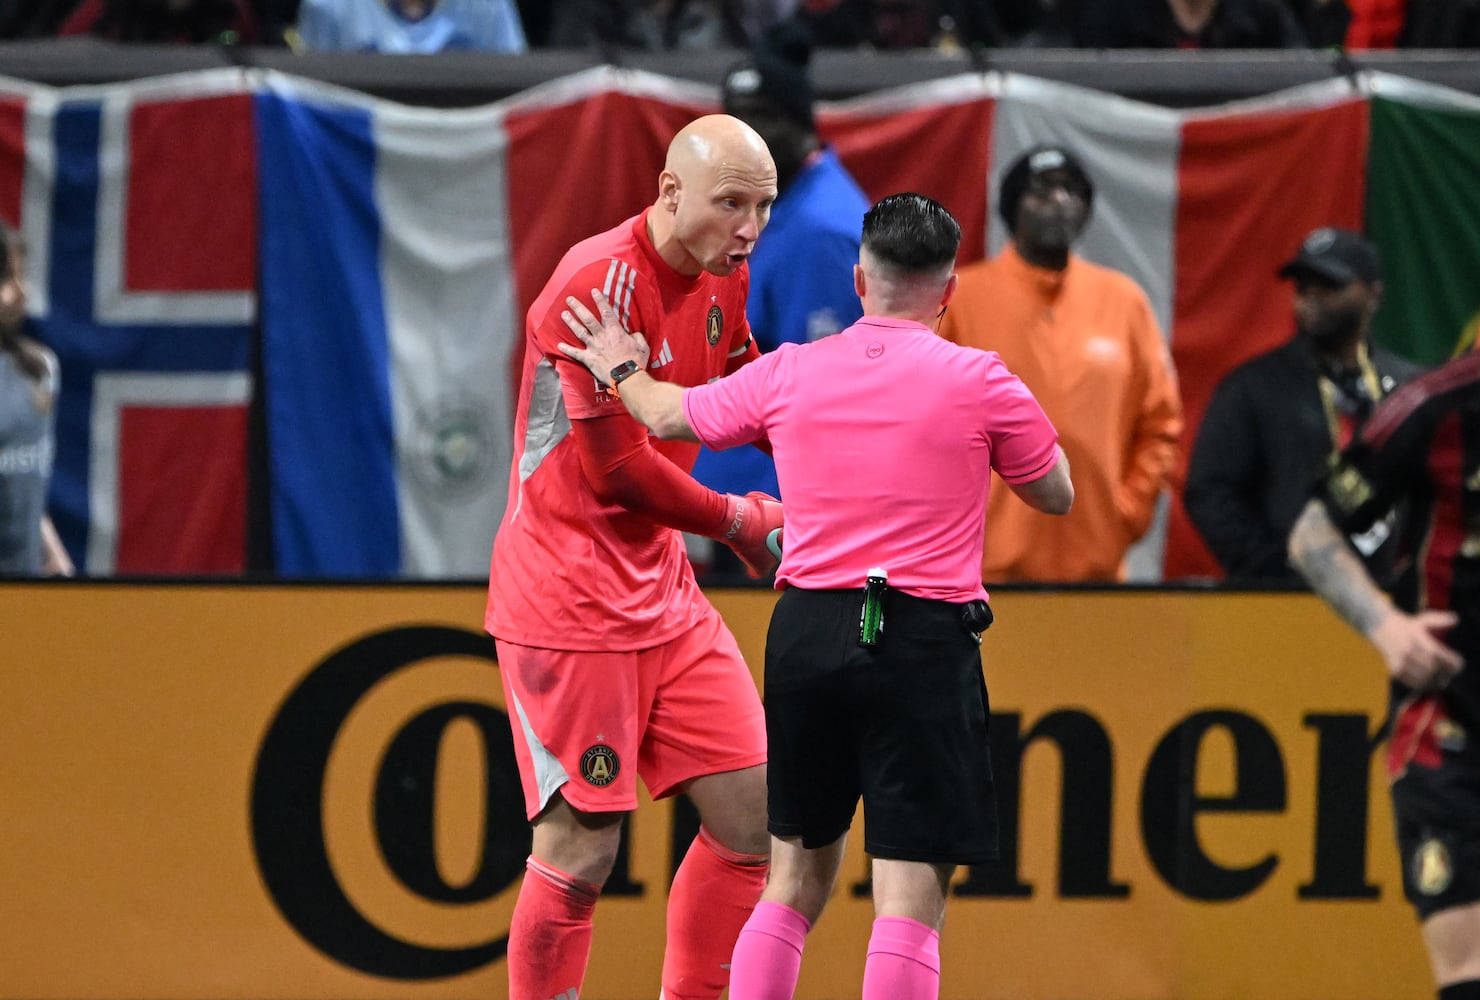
(1349, 488)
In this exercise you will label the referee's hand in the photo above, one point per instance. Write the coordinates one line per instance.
(607, 344)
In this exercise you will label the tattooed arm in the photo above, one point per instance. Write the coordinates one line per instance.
(1335, 572)
(1409, 644)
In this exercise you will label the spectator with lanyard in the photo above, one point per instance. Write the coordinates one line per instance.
(1276, 422)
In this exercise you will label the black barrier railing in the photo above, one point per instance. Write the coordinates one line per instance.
(1175, 79)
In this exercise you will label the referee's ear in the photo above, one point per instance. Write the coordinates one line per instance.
(950, 290)
(859, 281)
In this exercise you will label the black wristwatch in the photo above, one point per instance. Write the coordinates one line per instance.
(623, 371)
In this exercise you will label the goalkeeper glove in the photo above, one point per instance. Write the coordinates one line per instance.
(754, 531)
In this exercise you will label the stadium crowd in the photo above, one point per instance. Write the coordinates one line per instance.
(426, 26)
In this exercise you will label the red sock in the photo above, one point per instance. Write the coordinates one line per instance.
(712, 896)
(903, 961)
(550, 937)
(768, 954)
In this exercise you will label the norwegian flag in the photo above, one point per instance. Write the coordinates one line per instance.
(144, 283)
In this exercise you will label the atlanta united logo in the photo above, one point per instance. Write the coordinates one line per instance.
(599, 765)
(714, 323)
(1432, 870)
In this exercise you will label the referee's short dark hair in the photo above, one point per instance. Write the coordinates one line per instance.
(911, 233)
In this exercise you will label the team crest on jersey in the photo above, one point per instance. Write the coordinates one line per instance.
(1450, 735)
(714, 324)
(1433, 871)
(1349, 488)
(599, 765)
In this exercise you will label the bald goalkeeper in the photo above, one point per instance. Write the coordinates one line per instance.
(615, 666)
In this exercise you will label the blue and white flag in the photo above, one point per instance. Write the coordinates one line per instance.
(388, 314)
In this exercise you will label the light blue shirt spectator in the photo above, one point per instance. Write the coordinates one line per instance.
(411, 26)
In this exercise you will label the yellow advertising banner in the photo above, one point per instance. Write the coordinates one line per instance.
(308, 793)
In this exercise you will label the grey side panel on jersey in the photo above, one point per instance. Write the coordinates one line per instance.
(548, 422)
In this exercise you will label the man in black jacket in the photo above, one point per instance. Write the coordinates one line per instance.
(1275, 422)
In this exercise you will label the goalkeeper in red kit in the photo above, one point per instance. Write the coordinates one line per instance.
(614, 664)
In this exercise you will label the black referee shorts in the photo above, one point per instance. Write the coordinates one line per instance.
(902, 725)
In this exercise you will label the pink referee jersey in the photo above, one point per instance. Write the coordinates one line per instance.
(569, 572)
(884, 436)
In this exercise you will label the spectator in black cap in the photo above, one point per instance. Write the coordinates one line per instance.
(1084, 339)
(1043, 166)
(1275, 421)
(801, 272)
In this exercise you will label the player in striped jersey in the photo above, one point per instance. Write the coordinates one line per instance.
(1421, 445)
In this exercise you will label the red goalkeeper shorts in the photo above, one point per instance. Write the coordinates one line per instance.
(588, 724)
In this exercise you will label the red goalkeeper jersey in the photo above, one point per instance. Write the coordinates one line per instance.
(570, 572)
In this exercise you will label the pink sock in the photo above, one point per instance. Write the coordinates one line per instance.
(768, 953)
(550, 936)
(903, 961)
(713, 893)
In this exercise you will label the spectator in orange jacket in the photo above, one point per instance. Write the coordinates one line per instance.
(1084, 340)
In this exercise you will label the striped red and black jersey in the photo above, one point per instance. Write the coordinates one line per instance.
(1422, 445)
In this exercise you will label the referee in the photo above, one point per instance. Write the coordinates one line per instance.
(884, 437)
